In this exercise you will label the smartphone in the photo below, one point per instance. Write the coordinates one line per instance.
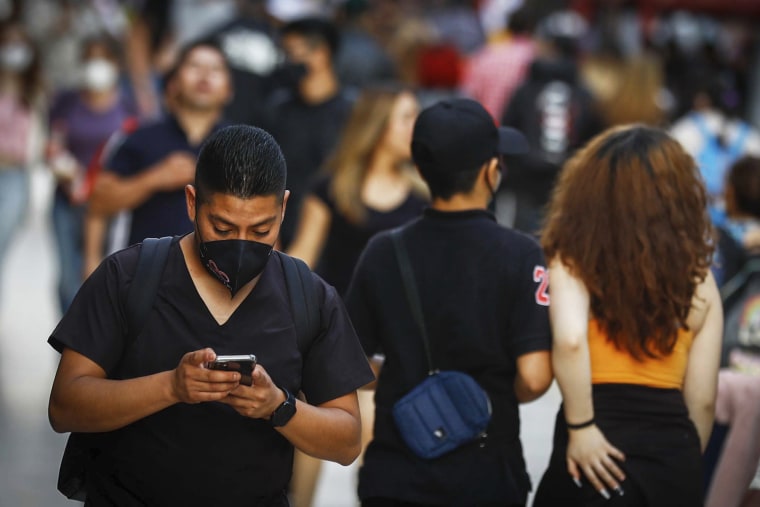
(244, 364)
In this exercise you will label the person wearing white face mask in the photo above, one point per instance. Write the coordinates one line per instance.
(20, 104)
(81, 121)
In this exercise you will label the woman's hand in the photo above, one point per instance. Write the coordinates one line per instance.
(588, 452)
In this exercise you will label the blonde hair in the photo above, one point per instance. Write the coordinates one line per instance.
(362, 134)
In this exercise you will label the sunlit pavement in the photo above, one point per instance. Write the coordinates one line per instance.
(30, 451)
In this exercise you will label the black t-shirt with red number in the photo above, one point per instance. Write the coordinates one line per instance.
(204, 454)
(483, 292)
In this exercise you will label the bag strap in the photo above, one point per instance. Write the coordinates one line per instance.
(412, 296)
(142, 293)
(737, 281)
(304, 300)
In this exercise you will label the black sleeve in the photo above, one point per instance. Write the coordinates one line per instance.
(529, 329)
(95, 325)
(124, 158)
(320, 188)
(359, 302)
(335, 364)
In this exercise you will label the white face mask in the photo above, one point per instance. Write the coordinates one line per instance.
(15, 56)
(99, 75)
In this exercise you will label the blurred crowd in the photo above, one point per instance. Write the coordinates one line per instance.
(115, 98)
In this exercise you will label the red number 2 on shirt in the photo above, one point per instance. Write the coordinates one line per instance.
(540, 274)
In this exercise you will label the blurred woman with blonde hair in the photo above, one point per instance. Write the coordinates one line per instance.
(636, 320)
(368, 185)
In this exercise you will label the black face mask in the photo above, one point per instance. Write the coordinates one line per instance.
(289, 74)
(234, 262)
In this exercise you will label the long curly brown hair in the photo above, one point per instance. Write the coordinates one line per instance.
(628, 217)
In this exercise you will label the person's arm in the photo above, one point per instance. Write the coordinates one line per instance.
(84, 400)
(330, 431)
(312, 231)
(113, 193)
(138, 58)
(588, 451)
(534, 375)
(701, 379)
(95, 227)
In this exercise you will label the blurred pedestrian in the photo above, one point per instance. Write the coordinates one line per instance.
(714, 133)
(369, 186)
(21, 107)
(148, 172)
(483, 301)
(81, 120)
(636, 340)
(556, 112)
(307, 113)
(494, 72)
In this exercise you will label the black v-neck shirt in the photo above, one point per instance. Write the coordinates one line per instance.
(206, 454)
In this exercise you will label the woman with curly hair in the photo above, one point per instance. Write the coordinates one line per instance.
(636, 321)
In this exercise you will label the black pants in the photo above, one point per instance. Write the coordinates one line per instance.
(663, 464)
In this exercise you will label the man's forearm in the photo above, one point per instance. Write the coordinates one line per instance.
(91, 404)
(326, 433)
(113, 193)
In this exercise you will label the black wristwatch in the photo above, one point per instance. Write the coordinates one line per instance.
(285, 412)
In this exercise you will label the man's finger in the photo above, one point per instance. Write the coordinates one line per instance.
(199, 357)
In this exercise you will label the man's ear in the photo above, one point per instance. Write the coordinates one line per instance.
(190, 200)
(284, 205)
(492, 173)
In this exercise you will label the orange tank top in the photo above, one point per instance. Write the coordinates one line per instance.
(612, 366)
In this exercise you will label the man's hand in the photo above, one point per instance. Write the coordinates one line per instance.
(175, 171)
(259, 400)
(193, 383)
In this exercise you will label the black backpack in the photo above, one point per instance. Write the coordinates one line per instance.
(741, 310)
(304, 304)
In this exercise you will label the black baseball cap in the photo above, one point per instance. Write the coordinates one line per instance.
(460, 135)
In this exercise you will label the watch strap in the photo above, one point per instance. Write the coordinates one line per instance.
(285, 412)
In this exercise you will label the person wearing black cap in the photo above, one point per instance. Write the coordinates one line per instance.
(484, 300)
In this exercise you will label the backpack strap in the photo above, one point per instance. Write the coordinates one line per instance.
(141, 296)
(304, 300)
(737, 281)
(142, 292)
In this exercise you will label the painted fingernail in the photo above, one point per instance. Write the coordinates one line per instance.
(620, 491)
(605, 494)
(577, 482)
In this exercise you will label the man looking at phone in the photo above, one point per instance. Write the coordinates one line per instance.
(175, 432)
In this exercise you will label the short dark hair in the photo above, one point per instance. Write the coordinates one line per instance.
(744, 179)
(445, 184)
(241, 161)
(102, 39)
(208, 42)
(316, 31)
